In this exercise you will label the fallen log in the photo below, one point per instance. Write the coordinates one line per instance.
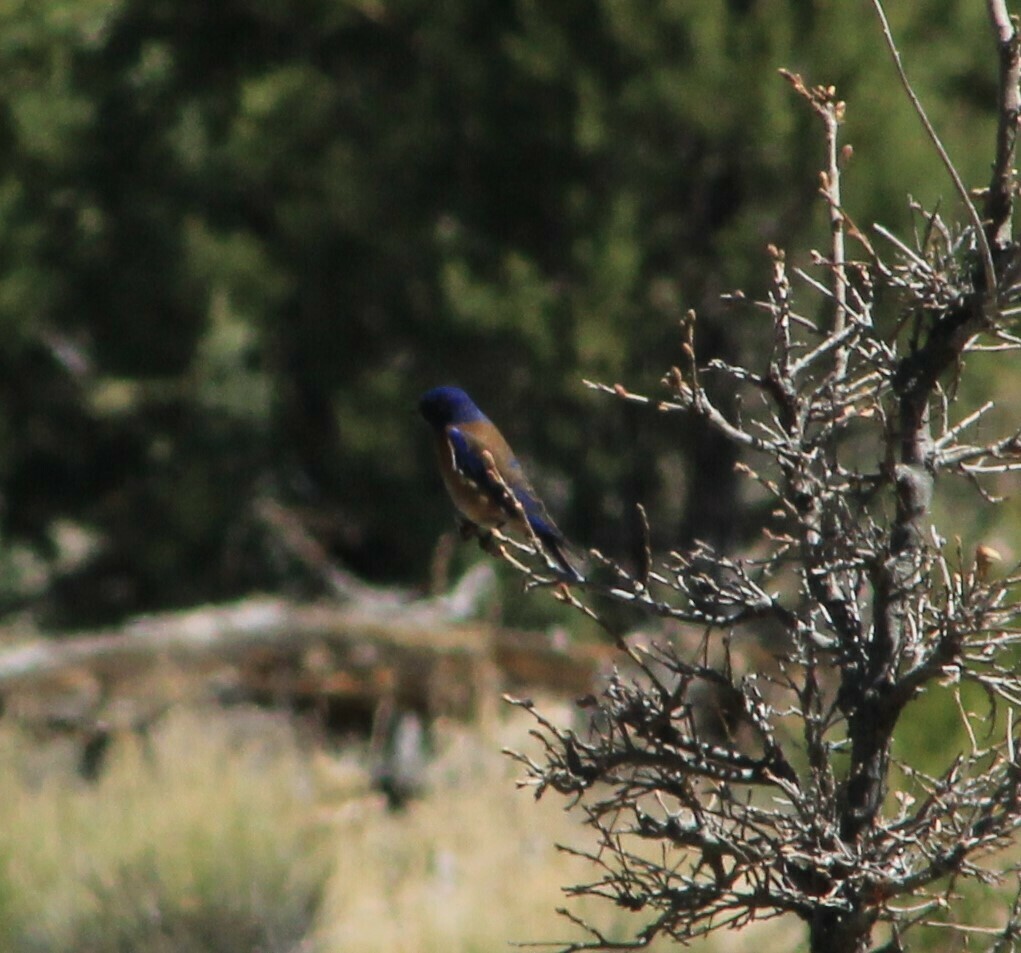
(425, 654)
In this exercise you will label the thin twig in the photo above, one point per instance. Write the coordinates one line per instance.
(962, 191)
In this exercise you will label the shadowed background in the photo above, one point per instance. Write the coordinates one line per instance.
(240, 239)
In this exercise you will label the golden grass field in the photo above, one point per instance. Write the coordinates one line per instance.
(228, 832)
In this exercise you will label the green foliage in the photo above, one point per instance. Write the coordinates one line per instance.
(239, 239)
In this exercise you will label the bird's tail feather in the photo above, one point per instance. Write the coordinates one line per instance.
(556, 546)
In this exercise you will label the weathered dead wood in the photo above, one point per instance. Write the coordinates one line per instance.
(422, 652)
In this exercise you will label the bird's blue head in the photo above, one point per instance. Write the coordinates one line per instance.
(448, 405)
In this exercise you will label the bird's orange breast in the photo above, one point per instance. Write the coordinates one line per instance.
(471, 500)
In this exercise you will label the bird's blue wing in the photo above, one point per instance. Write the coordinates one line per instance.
(467, 458)
(468, 462)
(467, 450)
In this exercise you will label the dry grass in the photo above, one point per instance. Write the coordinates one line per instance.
(468, 868)
(195, 839)
(221, 834)
(471, 868)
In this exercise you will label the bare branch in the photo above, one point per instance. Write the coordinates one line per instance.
(1003, 185)
(962, 192)
(825, 104)
(749, 732)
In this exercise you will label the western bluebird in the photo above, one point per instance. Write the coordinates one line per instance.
(474, 458)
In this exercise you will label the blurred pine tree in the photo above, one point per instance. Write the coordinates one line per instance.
(382, 196)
